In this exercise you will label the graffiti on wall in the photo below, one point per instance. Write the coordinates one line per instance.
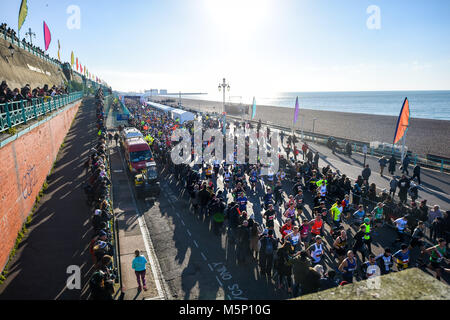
(29, 181)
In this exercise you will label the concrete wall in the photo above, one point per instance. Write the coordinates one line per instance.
(26, 161)
(26, 68)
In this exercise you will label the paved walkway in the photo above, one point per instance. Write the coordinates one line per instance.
(60, 232)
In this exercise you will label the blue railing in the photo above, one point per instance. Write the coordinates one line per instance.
(23, 45)
(20, 112)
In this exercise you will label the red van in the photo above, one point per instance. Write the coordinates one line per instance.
(137, 154)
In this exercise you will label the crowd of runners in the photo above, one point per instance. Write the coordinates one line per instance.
(309, 228)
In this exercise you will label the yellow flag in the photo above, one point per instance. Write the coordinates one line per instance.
(23, 13)
(72, 60)
(59, 47)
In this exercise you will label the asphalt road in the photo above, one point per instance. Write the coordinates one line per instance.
(197, 264)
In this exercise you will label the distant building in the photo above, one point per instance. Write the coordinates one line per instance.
(151, 92)
(163, 92)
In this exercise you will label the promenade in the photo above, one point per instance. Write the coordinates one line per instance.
(60, 231)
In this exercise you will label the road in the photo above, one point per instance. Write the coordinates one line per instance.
(196, 264)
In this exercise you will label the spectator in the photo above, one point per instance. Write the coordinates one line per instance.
(139, 265)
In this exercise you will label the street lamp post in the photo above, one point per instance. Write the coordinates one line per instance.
(223, 87)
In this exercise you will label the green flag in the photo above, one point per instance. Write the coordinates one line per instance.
(22, 13)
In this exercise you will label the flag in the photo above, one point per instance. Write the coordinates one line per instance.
(77, 64)
(23, 13)
(402, 122)
(81, 69)
(254, 108)
(72, 60)
(296, 111)
(59, 47)
(47, 36)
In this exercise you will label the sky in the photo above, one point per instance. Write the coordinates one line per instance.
(257, 45)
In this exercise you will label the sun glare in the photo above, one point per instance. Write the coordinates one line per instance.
(237, 16)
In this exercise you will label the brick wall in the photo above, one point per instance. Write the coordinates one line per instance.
(25, 164)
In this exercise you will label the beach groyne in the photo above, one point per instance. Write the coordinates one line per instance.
(425, 136)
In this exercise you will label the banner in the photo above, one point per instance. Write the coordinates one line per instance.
(402, 122)
(47, 36)
(72, 60)
(254, 108)
(23, 13)
(296, 111)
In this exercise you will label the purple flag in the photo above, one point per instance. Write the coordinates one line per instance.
(47, 36)
(296, 111)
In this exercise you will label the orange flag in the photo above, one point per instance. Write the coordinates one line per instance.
(403, 122)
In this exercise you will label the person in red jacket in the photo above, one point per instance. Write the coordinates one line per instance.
(286, 228)
(304, 149)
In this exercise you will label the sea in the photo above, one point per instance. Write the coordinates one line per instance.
(423, 104)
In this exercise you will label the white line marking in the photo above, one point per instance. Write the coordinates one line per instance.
(220, 283)
(189, 233)
(182, 222)
(196, 244)
(229, 298)
(203, 256)
(154, 263)
(210, 268)
(178, 215)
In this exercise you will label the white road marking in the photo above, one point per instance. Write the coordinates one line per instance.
(220, 283)
(203, 256)
(189, 233)
(210, 268)
(182, 222)
(196, 244)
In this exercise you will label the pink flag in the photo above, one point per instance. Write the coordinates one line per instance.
(296, 111)
(47, 36)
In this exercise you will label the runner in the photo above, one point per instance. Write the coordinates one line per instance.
(385, 261)
(438, 255)
(286, 228)
(305, 231)
(340, 246)
(317, 226)
(370, 268)
(378, 215)
(402, 257)
(294, 239)
(270, 215)
(348, 267)
(316, 251)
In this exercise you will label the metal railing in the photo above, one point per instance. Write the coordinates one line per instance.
(16, 113)
(443, 165)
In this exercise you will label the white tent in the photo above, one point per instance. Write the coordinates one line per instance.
(160, 107)
(182, 115)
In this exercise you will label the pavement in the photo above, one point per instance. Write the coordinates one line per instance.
(60, 231)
